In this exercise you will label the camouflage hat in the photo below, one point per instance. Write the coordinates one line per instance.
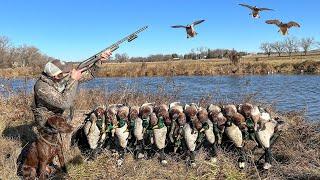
(55, 67)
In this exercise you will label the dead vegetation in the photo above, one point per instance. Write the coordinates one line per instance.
(245, 65)
(296, 154)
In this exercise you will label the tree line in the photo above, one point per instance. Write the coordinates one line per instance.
(22, 56)
(30, 56)
(289, 45)
(194, 54)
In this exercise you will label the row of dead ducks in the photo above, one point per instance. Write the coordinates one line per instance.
(178, 128)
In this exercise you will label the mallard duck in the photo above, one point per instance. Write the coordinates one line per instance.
(190, 28)
(284, 27)
(145, 110)
(191, 110)
(202, 115)
(159, 136)
(136, 124)
(176, 113)
(250, 111)
(255, 10)
(208, 130)
(216, 116)
(123, 114)
(234, 124)
(162, 111)
(178, 120)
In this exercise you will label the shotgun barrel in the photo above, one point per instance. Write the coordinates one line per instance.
(86, 64)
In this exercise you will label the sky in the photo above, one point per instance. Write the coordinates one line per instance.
(74, 30)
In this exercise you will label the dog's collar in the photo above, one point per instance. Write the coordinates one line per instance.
(46, 141)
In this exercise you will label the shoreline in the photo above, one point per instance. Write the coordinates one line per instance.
(253, 65)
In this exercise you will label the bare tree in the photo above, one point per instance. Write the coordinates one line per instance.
(306, 44)
(193, 54)
(4, 48)
(29, 55)
(278, 47)
(267, 48)
(121, 57)
(291, 45)
(202, 52)
(234, 57)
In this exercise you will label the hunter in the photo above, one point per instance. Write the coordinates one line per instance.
(55, 90)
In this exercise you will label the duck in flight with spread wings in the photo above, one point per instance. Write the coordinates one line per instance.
(283, 27)
(255, 10)
(190, 28)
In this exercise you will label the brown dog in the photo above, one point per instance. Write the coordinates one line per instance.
(44, 149)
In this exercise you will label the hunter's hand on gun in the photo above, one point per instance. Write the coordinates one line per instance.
(105, 56)
(77, 74)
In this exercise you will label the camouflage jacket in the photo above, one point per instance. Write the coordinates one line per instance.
(54, 98)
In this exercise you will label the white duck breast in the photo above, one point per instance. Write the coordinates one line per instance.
(122, 135)
(265, 133)
(93, 134)
(214, 108)
(209, 133)
(160, 137)
(138, 129)
(265, 117)
(189, 137)
(171, 105)
(234, 134)
(147, 104)
(220, 115)
(177, 107)
(255, 111)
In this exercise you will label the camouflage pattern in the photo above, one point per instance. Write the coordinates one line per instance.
(55, 98)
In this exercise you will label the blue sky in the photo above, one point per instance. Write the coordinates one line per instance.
(76, 29)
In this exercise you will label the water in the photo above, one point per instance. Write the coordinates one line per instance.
(286, 92)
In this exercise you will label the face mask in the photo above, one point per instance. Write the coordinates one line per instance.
(61, 84)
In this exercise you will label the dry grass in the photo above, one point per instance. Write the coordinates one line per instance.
(296, 153)
(20, 72)
(105, 167)
(247, 65)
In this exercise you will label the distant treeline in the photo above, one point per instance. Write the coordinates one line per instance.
(30, 56)
(289, 46)
(198, 53)
(22, 56)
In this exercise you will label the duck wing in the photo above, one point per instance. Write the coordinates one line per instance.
(198, 22)
(265, 9)
(274, 21)
(293, 24)
(248, 6)
(179, 26)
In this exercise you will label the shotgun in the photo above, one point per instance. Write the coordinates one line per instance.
(86, 64)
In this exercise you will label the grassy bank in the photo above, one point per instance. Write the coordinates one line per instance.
(248, 65)
(296, 153)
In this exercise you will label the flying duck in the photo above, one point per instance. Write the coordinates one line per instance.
(284, 27)
(255, 10)
(190, 28)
